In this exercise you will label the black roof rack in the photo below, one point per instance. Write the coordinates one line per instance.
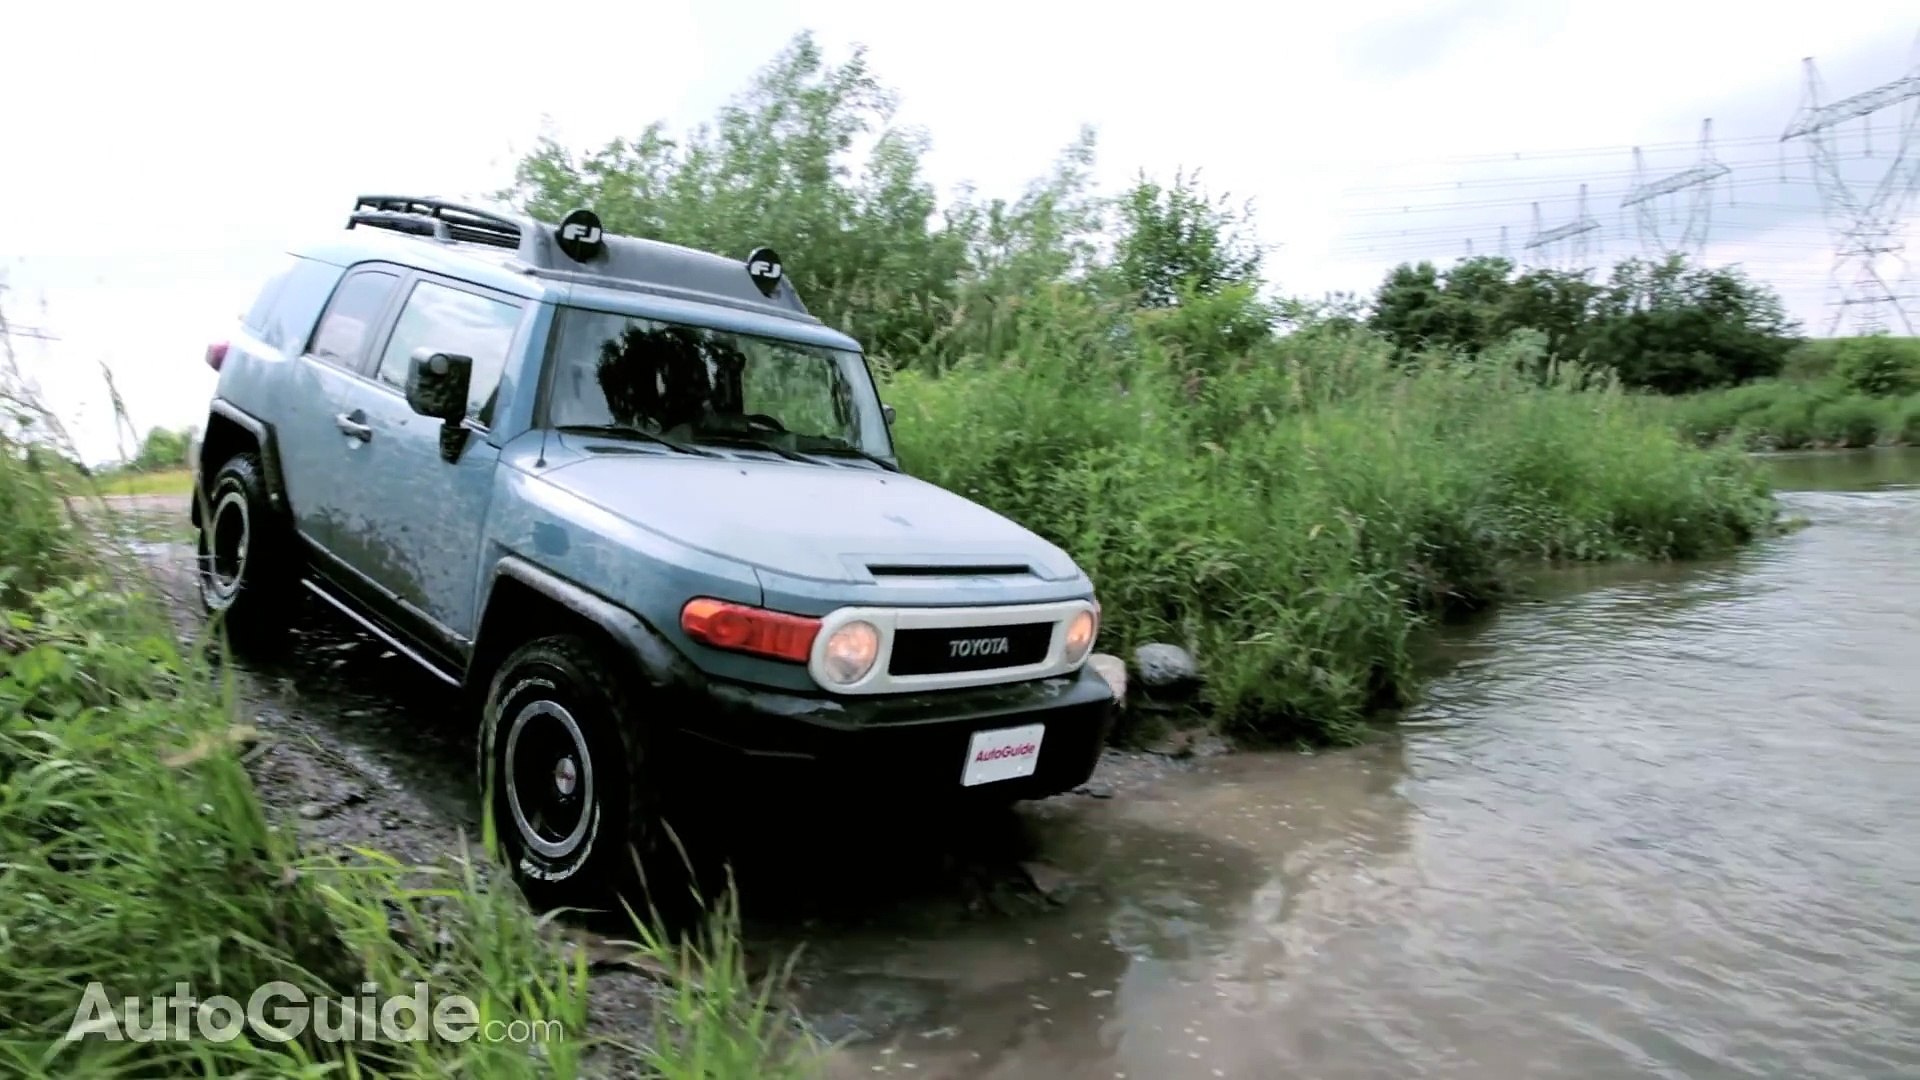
(438, 218)
(622, 262)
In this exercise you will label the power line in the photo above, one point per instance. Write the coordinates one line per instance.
(1615, 150)
(1388, 248)
(1799, 243)
(1547, 179)
(1480, 226)
(1431, 207)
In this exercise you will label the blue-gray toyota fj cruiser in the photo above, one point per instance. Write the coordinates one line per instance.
(641, 506)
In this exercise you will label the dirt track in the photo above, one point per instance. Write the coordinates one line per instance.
(174, 505)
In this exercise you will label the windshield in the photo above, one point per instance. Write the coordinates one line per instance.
(710, 386)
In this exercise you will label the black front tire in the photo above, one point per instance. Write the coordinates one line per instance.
(571, 782)
(244, 557)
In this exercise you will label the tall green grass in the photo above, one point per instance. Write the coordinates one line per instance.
(1786, 414)
(1297, 511)
(135, 853)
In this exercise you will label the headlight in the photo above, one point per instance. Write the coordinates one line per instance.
(1080, 634)
(850, 652)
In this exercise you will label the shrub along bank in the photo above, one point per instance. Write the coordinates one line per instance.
(1294, 513)
(1783, 414)
(1838, 392)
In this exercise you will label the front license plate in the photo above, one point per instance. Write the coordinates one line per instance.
(1002, 754)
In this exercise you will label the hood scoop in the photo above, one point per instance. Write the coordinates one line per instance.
(900, 570)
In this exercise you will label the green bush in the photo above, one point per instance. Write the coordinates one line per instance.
(1789, 422)
(1790, 415)
(1714, 415)
(1295, 514)
(1850, 421)
(1905, 422)
(1878, 365)
(1809, 361)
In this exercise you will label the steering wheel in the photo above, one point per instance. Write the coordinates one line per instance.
(764, 421)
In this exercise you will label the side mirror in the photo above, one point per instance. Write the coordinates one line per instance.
(886, 413)
(437, 384)
(437, 387)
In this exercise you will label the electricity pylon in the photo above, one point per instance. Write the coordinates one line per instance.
(1564, 246)
(1646, 198)
(16, 330)
(1870, 273)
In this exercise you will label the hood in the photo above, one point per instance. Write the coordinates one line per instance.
(823, 522)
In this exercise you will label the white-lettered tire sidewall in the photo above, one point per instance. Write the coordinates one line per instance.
(540, 671)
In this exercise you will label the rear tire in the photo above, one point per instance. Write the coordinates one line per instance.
(244, 558)
(571, 781)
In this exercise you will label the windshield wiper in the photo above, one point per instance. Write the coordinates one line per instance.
(803, 445)
(742, 438)
(624, 431)
(829, 444)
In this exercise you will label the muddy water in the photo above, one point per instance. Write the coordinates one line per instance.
(1652, 822)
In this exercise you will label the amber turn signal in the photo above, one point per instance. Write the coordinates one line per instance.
(742, 628)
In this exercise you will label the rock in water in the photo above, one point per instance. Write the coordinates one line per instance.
(1114, 670)
(1165, 667)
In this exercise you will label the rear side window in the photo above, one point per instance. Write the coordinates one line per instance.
(257, 315)
(351, 317)
(450, 320)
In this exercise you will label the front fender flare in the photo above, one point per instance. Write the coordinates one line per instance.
(658, 663)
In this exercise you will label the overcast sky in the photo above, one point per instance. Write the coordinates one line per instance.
(158, 156)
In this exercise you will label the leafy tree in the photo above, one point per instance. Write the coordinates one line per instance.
(1468, 307)
(1475, 293)
(1661, 325)
(161, 449)
(1673, 328)
(1175, 240)
(1338, 312)
(1558, 303)
(1015, 250)
(1408, 309)
(809, 161)
(779, 167)
(861, 232)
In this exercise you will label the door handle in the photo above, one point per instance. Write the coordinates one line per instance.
(353, 425)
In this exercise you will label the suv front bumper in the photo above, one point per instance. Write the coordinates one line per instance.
(901, 744)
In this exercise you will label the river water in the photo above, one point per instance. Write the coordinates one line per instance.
(1652, 821)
